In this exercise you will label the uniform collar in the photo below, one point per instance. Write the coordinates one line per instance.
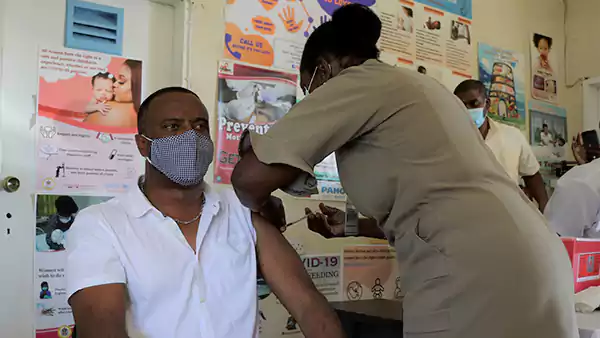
(137, 205)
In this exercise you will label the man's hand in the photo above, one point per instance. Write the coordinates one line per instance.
(286, 276)
(274, 212)
(329, 223)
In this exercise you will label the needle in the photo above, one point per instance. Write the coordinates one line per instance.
(297, 221)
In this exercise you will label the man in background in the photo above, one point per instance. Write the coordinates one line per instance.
(507, 143)
(546, 136)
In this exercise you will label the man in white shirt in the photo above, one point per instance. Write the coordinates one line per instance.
(507, 143)
(179, 257)
(545, 136)
(574, 208)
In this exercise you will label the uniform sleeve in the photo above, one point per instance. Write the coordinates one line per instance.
(91, 257)
(528, 163)
(325, 120)
(572, 208)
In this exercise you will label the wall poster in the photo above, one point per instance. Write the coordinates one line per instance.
(86, 122)
(502, 73)
(249, 97)
(548, 136)
(272, 33)
(370, 272)
(544, 69)
(429, 37)
(54, 216)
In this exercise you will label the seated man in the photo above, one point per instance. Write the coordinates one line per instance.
(178, 255)
(507, 143)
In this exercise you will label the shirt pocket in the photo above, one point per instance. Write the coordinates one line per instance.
(427, 281)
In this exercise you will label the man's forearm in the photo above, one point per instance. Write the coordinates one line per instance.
(368, 227)
(535, 184)
(319, 320)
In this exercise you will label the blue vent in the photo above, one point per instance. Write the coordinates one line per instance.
(94, 27)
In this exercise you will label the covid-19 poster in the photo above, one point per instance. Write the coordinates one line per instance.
(86, 122)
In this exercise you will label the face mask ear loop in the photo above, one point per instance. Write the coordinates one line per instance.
(147, 158)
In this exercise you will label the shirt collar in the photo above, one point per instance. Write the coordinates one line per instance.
(137, 205)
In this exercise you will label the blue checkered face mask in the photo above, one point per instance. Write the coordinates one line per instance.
(183, 158)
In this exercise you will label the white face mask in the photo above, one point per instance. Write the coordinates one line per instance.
(63, 219)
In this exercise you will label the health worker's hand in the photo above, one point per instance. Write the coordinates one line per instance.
(329, 223)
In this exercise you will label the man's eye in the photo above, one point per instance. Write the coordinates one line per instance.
(171, 126)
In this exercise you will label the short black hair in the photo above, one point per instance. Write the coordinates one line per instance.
(539, 37)
(343, 36)
(544, 125)
(105, 75)
(468, 85)
(65, 205)
(146, 104)
(44, 284)
(409, 11)
(422, 70)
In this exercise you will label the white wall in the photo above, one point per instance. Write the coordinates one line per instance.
(583, 52)
(25, 25)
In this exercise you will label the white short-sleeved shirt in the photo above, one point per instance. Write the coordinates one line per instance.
(512, 150)
(574, 208)
(547, 139)
(173, 292)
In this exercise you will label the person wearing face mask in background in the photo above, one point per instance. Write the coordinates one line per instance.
(476, 258)
(61, 222)
(507, 143)
(184, 258)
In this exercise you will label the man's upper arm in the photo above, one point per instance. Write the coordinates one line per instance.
(96, 278)
(528, 163)
(572, 208)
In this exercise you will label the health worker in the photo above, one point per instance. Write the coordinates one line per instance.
(476, 258)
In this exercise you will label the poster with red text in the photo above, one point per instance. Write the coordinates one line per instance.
(272, 33)
(249, 98)
(86, 122)
(370, 271)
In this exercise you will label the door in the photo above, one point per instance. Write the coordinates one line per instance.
(150, 34)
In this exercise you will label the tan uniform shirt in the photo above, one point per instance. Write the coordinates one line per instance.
(512, 150)
(476, 258)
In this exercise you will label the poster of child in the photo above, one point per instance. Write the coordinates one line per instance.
(87, 119)
(104, 92)
(543, 69)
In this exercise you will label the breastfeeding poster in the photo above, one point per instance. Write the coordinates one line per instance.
(544, 68)
(431, 37)
(249, 97)
(54, 216)
(86, 122)
(502, 73)
(272, 33)
(370, 272)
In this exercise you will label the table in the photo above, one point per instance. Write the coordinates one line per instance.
(589, 324)
(379, 318)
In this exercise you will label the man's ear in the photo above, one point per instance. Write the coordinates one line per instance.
(486, 108)
(143, 145)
